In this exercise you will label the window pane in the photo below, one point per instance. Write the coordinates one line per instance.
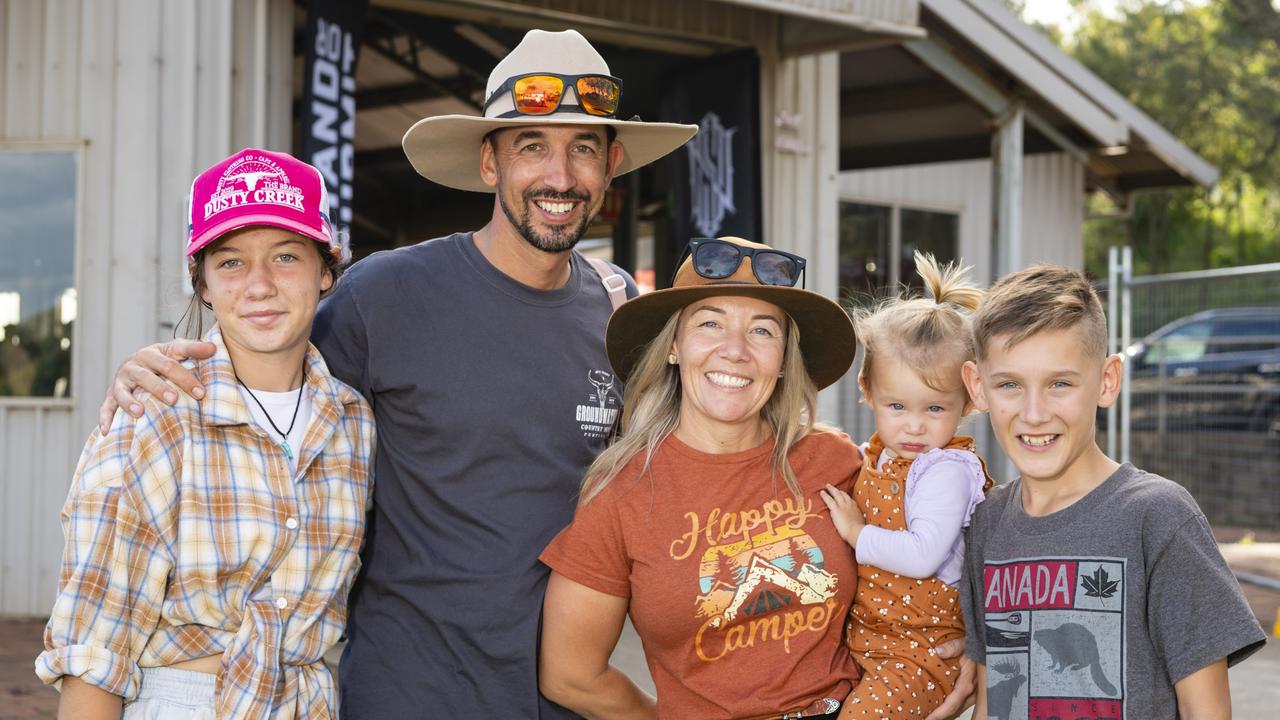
(1234, 334)
(37, 276)
(864, 248)
(928, 232)
(1186, 343)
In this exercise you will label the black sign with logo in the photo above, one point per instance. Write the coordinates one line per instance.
(717, 173)
(334, 29)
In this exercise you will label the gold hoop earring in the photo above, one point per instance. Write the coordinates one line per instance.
(671, 359)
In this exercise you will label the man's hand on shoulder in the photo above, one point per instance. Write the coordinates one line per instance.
(156, 369)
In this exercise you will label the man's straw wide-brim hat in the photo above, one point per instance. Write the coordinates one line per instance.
(827, 338)
(446, 149)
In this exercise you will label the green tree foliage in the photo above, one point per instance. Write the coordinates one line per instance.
(1210, 74)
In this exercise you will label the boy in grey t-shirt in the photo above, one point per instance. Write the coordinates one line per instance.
(1092, 589)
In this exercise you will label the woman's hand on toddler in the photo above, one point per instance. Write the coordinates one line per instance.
(844, 514)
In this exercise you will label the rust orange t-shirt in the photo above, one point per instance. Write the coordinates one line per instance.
(738, 590)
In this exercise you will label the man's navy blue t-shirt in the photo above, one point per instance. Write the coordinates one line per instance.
(491, 400)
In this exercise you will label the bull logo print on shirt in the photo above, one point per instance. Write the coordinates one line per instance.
(1055, 638)
(603, 382)
(761, 577)
(595, 417)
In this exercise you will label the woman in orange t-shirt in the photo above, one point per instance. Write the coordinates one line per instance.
(704, 519)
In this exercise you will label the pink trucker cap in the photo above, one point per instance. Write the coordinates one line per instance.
(258, 187)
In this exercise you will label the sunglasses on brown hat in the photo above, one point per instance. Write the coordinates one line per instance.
(716, 259)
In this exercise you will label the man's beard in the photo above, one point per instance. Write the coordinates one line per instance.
(560, 237)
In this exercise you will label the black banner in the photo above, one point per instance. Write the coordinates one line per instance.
(717, 173)
(334, 30)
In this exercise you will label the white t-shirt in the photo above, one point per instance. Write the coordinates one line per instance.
(280, 406)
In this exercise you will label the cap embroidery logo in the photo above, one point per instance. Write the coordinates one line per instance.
(253, 179)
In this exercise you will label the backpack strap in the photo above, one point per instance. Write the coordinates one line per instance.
(614, 284)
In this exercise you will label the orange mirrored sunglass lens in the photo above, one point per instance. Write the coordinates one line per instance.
(598, 95)
(538, 94)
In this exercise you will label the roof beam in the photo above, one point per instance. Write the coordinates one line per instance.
(913, 153)
(383, 159)
(396, 95)
(1031, 71)
(896, 98)
(403, 51)
(848, 14)
(996, 101)
(473, 62)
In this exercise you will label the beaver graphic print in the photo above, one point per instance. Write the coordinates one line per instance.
(1055, 638)
(1071, 646)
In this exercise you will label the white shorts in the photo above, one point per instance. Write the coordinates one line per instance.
(168, 694)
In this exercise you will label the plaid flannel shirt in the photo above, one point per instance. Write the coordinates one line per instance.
(187, 537)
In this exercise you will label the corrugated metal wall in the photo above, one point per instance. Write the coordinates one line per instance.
(1052, 204)
(146, 90)
(801, 146)
(1053, 210)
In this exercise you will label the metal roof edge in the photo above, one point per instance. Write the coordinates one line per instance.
(865, 23)
(992, 39)
(1161, 142)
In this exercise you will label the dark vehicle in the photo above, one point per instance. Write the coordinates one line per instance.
(1214, 370)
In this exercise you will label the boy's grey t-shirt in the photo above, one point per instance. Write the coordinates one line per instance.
(491, 399)
(1097, 610)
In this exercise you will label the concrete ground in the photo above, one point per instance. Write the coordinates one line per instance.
(1255, 683)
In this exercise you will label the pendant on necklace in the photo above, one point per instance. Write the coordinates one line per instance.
(288, 452)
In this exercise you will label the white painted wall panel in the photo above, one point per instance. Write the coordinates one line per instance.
(61, 57)
(96, 123)
(1053, 210)
(179, 87)
(24, 41)
(134, 183)
(4, 59)
(30, 499)
(800, 181)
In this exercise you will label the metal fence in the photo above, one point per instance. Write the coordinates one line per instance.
(1201, 399)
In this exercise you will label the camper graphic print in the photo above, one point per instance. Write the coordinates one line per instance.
(762, 579)
(1055, 638)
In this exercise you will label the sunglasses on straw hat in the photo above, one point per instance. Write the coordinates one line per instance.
(540, 94)
(716, 259)
(574, 87)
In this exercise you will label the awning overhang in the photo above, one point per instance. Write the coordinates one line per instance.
(1127, 149)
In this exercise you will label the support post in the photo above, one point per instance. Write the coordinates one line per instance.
(1113, 336)
(1126, 312)
(1006, 168)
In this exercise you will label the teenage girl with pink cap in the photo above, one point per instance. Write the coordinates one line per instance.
(210, 545)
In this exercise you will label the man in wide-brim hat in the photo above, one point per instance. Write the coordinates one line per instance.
(483, 356)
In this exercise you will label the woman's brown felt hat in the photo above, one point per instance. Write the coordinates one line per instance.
(827, 338)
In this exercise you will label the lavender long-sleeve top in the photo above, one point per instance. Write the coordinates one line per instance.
(942, 489)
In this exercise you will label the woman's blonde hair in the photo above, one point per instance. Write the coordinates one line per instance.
(930, 336)
(651, 409)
